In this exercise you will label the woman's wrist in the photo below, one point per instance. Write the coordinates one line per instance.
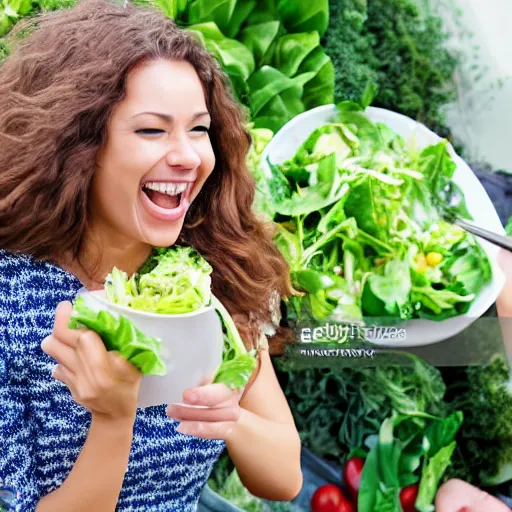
(115, 423)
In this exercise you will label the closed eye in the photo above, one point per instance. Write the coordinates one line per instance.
(148, 131)
(201, 129)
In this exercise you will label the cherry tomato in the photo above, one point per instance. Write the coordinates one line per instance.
(408, 497)
(352, 476)
(330, 498)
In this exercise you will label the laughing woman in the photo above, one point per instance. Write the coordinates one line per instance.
(97, 102)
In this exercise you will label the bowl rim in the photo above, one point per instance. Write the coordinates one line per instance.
(100, 296)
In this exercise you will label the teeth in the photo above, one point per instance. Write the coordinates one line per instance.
(171, 189)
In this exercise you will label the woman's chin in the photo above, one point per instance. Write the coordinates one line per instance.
(162, 238)
(156, 232)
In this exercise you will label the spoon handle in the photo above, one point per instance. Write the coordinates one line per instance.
(501, 240)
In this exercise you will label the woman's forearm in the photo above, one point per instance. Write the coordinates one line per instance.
(267, 457)
(96, 479)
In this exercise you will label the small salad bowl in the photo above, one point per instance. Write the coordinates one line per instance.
(191, 348)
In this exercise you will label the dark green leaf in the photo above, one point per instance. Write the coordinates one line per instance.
(243, 9)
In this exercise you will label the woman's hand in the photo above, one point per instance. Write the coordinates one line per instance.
(102, 381)
(215, 419)
(459, 496)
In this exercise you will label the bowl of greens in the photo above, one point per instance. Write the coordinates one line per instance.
(166, 321)
(356, 196)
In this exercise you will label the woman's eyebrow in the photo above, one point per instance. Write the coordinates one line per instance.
(169, 118)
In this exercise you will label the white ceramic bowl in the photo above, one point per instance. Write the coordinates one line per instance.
(418, 331)
(191, 347)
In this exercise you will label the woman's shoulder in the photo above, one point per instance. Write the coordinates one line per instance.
(22, 272)
(30, 290)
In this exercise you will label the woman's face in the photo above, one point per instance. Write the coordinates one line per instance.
(156, 158)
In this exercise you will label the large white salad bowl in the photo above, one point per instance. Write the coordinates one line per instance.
(414, 332)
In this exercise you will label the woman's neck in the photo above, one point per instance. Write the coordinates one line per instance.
(92, 269)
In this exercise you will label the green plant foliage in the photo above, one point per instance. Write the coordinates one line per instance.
(390, 43)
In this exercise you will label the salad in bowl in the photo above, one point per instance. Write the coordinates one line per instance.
(357, 196)
(166, 321)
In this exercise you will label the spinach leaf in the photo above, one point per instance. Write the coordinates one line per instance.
(388, 294)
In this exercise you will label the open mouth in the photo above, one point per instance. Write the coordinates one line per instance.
(167, 195)
(162, 199)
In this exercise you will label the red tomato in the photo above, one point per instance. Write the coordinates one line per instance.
(408, 497)
(352, 476)
(330, 498)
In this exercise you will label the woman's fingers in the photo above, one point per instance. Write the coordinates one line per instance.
(61, 352)
(211, 395)
(61, 323)
(218, 430)
(456, 495)
(186, 413)
(93, 355)
(65, 376)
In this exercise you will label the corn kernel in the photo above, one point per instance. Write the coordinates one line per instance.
(434, 258)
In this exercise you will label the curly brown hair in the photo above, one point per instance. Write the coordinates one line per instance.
(57, 91)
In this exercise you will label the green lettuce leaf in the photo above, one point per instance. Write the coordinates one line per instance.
(292, 49)
(259, 39)
(301, 16)
(120, 335)
(219, 12)
(238, 364)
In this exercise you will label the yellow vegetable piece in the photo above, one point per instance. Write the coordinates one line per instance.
(434, 258)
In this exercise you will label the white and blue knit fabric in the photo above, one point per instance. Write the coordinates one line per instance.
(42, 429)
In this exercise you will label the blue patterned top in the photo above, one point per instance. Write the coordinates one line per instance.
(42, 429)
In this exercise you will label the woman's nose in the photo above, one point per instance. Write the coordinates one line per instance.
(183, 154)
